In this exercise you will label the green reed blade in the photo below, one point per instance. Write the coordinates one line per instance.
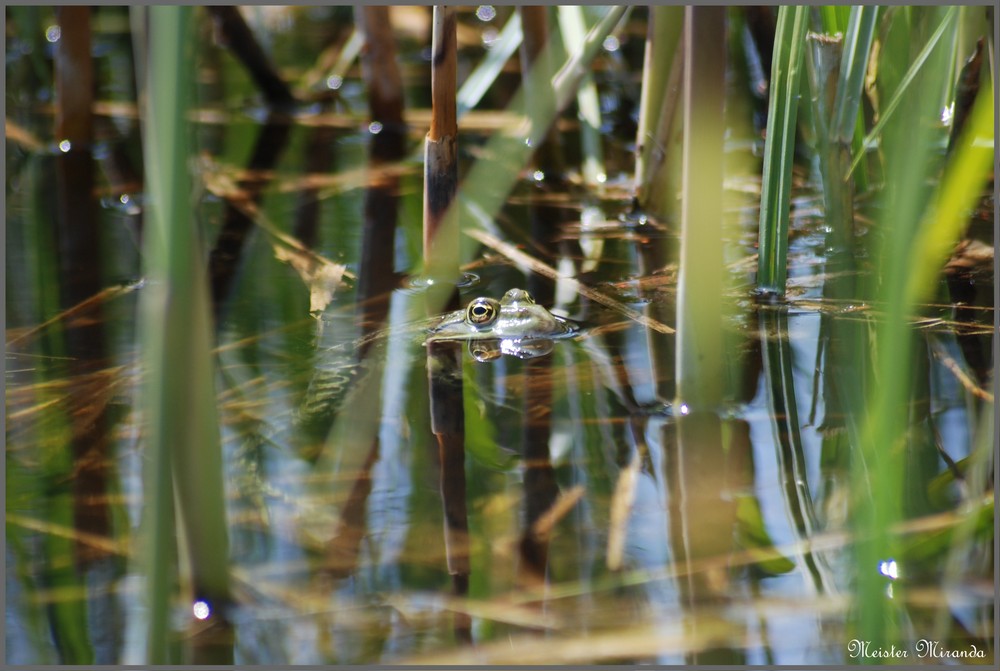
(782, 112)
(853, 67)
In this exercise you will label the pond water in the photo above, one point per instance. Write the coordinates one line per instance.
(396, 503)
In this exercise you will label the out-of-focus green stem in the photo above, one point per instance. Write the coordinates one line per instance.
(651, 144)
(176, 336)
(886, 429)
(944, 222)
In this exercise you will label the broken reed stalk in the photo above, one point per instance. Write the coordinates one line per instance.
(76, 230)
(440, 150)
(74, 79)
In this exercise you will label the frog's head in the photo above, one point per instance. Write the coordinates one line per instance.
(516, 316)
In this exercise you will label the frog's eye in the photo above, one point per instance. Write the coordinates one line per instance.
(482, 312)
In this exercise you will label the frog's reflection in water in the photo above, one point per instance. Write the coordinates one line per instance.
(489, 350)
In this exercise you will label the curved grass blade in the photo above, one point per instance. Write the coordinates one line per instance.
(908, 78)
(963, 181)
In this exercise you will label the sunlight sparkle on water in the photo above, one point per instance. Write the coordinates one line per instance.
(201, 610)
(947, 114)
(538, 175)
(334, 82)
(685, 409)
(375, 128)
(889, 569)
(53, 33)
(65, 146)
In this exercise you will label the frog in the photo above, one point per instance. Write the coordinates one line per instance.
(515, 325)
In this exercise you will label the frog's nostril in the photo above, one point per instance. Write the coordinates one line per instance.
(519, 295)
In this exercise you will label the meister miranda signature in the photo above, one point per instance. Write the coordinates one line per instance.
(923, 648)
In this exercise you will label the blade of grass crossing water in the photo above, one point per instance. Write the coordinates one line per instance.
(574, 28)
(782, 112)
(479, 82)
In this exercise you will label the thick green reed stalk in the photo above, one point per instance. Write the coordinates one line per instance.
(917, 228)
